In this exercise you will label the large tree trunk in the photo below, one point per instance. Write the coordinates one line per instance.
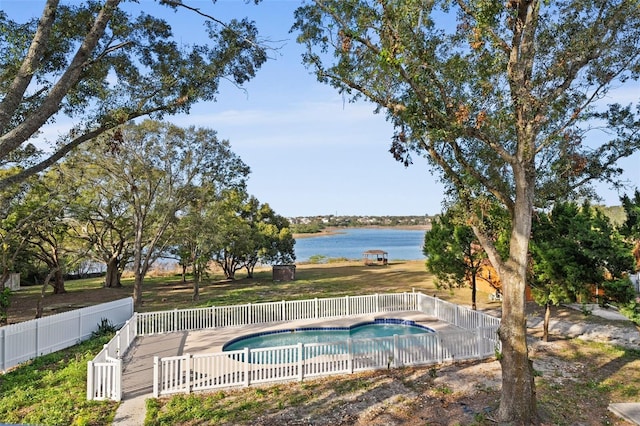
(473, 291)
(137, 289)
(43, 292)
(138, 277)
(545, 326)
(113, 275)
(517, 400)
(58, 282)
(197, 273)
(518, 396)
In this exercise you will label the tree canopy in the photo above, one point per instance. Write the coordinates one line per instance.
(575, 252)
(95, 66)
(453, 253)
(631, 226)
(500, 96)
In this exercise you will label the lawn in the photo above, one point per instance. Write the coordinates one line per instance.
(312, 280)
(576, 380)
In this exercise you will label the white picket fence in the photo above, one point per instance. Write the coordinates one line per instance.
(27, 340)
(477, 339)
(104, 373)
(187, 373)
(263, 313)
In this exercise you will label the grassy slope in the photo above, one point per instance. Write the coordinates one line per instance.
(52, 390)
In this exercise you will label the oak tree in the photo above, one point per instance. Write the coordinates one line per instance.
(98, 211)
(92, 66)
(499, 95)
(157, 169)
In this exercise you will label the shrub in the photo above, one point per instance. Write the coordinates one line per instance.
(619, 291)
(105, 328)
(317, 258)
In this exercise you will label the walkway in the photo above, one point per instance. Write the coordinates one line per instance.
(137, 376)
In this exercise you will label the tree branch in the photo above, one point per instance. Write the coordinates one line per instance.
(29, 66)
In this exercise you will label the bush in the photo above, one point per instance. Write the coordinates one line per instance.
(317, 258)
(619, 291)
(632, 311)
(105, 328)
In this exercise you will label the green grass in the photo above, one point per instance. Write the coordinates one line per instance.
(51, 390)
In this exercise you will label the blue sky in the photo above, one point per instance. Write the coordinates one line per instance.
(310, 151)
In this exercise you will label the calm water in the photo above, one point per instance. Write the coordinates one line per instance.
(401, 244)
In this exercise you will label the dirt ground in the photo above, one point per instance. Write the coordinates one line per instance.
(574, 384)
(23, 304)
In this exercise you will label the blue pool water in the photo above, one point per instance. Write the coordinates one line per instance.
(378, 328)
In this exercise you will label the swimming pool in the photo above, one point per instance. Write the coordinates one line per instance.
(378, 328)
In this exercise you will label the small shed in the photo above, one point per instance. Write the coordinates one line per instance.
(374, 257)
(13, 281)
(283, 272)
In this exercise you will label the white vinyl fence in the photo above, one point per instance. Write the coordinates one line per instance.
(27, 340)
(183, 374)
(476, 339)
(104, 373)
(262, 313)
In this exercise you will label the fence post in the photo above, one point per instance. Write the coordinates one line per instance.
(175, 320)
(480, 342)
(346, 302)
(118, 381)
(249, 313)
(300, 361)
(350, 355)
(37, 339)
(187, 373)
(247, 363)
(396, 351)
(284, 311)
(118, 351)
(90, 376)
(156, 377)
(3, 351)
(316, 307)
(377, 303)
(80, 324)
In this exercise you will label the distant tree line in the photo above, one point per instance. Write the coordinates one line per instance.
(313, 224)
(135, 195)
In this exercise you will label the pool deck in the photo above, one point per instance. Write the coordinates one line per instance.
(137, 375)
(138, 364)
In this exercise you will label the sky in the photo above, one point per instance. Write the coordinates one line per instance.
(310, 151)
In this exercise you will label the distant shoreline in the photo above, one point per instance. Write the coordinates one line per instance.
(333, 230)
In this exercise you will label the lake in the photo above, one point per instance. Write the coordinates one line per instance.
(350, 243)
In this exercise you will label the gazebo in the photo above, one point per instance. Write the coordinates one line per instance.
(374, 257)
